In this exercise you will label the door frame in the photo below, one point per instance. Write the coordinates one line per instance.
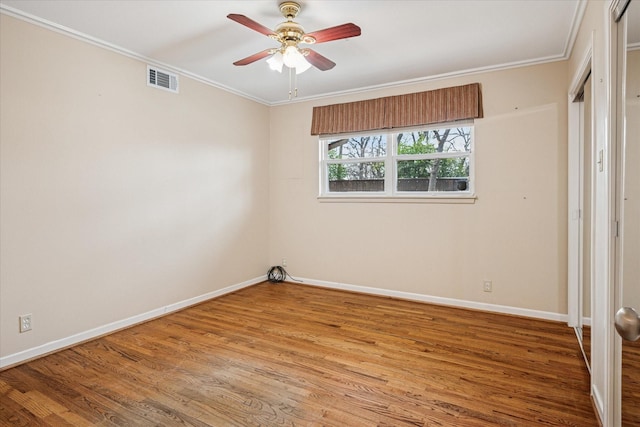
(576, 230)
(618, 76)
(604, 337)
(615, 37)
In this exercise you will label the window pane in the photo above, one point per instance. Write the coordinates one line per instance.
(451, 140)
(362, 176)
(433, 175)
(435, 161)
(358, 147)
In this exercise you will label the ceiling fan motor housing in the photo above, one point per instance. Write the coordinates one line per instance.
(289, 9)
(291, 33)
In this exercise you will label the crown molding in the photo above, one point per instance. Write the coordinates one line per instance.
(568, 48)
(61, 29)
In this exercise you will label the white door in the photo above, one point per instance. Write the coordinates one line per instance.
(628, 216)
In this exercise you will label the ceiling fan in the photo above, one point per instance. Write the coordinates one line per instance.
(290, 34)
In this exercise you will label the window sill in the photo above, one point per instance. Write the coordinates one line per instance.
(441, 199)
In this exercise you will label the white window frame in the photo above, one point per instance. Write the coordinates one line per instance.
(391, 159)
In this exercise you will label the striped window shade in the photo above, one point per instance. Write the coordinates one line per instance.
(414, 109)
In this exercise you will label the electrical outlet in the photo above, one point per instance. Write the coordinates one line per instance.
(488, 286)
(25, 323)
(284, 262)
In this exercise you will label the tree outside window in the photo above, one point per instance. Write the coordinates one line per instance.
(434, 160)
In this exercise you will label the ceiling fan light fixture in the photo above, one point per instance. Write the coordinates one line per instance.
(293, 58)
(289, 34)
(302, 66)
(276, 62)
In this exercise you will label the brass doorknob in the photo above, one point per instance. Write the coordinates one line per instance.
(627, 323)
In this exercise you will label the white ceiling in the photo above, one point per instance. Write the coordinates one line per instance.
(401, 41)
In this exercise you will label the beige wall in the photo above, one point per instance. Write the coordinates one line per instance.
(118, 198)
(514, 234)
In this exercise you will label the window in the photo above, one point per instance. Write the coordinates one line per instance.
(414, 162)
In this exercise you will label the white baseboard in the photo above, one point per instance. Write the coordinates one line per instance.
(598, 403)
(502, 309)
(32, 353)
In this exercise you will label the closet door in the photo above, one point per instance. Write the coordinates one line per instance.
(628, 216)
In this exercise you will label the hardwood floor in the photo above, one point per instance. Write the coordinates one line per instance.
(288, 354)
(630, 384)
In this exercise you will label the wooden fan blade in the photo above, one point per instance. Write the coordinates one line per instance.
(320, 62)
(250, 23)
(343, 31)
(253, 58)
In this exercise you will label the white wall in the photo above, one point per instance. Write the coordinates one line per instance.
(117, 198)
(514, 234)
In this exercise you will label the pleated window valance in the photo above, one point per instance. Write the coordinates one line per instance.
(414, 109)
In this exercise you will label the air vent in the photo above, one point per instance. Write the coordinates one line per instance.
(162, 79)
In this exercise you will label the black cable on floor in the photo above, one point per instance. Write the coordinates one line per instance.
(278, 274)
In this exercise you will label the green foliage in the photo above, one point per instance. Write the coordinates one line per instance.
(408, 143)
(337, 172)
(414, 143)
(426, 142)
(357, 148)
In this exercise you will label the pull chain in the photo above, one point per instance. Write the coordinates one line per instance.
(293, 84)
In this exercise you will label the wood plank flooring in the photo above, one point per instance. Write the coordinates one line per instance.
(288, 354)
(630, 384)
